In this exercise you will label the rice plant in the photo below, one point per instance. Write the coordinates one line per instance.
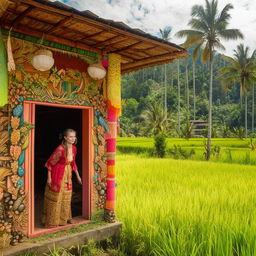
(228, 150)
(183, 208)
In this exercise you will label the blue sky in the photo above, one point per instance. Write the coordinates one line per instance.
(151, 15)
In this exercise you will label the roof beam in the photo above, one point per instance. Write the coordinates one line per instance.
(101, 25)
(142, 54)
(59, 24)
(152, 64)
(22, 15)
(110, 40)
(90, 36)
(111, 44)
(151, 59)
(147, 49)
(52, 38)
(53, 28)
(127, 47)
(128, 57)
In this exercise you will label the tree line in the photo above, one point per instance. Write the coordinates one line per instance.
(203, 86)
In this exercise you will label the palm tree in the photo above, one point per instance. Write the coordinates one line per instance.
(187, 87)
(242, 70)
(165, 33)
(194, 92)
(253, 92)
(178, 84)
(156, 119)
(208, 27)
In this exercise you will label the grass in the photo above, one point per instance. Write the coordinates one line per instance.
(194, 142)
(232, 150)
(97, 221)
(186, 208)
(89, 249)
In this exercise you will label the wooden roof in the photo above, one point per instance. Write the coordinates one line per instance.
(57, 22)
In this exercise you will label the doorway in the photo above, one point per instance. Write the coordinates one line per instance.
(49, 124)
(50, 120)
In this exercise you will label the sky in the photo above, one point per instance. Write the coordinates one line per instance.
(151, 15)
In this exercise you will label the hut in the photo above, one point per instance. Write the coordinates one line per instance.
(199, 127)
(59, 68)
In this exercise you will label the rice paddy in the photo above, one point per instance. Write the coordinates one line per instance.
(186, 208)
(232, 150)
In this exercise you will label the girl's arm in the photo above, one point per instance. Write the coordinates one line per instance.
(78, 177)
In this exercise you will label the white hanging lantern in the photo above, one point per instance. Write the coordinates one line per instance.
(96, 71)
(43, 60)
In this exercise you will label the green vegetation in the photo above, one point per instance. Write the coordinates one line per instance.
(186, 208)
(97, 221)
(228, 150)
(160, 145)
(90, 249)
(188, 89)
(242, 70)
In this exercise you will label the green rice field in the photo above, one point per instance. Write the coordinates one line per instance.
(232, 150)
(186, 208)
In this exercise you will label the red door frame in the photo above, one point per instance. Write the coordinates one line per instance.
(87, 161)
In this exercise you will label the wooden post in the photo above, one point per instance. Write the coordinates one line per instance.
(114, 107)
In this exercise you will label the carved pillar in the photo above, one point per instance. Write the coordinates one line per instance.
(113, 111)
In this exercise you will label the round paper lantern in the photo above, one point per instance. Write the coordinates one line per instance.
(43, 60)
(96, 71)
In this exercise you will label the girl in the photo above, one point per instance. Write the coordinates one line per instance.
(58, 191)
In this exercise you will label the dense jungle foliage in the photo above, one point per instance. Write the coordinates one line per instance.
(143, 88)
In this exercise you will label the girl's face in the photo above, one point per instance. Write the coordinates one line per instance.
(70, 138)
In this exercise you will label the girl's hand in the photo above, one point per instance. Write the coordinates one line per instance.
(49, 181)
(79, 180)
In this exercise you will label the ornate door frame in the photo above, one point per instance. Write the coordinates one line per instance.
(87, 162)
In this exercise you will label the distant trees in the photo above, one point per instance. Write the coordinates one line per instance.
(209, 26)
(155, 119)
(242, 69)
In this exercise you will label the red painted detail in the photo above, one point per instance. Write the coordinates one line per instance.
(87, 162)
(65, 61)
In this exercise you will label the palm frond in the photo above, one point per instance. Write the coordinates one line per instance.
(188, 33)
(227, 58)
(224, 15)
(193, 40)
(206, 53)
(196, 51)
(198, 11)
(219, 45)
(228, 71)
(229, 34)
(198, 25)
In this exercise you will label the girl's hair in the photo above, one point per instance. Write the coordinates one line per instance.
(63, 142)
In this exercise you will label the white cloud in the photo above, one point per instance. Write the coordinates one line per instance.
(151, 15)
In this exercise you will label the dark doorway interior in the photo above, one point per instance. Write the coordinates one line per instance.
(49, 124)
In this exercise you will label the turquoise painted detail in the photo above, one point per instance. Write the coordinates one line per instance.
(21, 158)
(21, 171)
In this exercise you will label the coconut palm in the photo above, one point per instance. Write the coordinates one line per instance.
(242, 70)
(253, 92)
(178, 84)
(155, 119)
(165, 33)
(208, 28)
(194, 91)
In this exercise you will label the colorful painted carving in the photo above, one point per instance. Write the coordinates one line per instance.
(3, 73)
(58, 85)
(114, 109)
